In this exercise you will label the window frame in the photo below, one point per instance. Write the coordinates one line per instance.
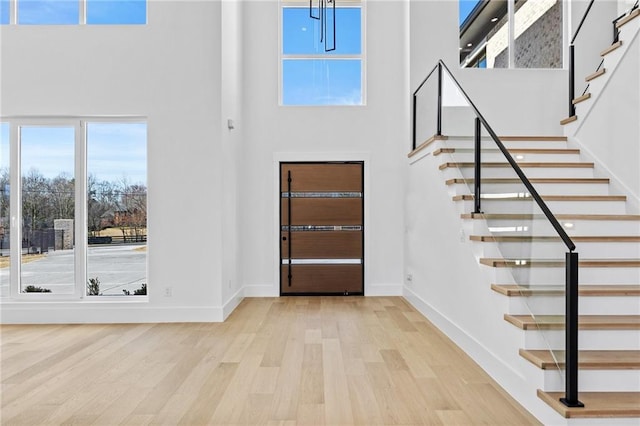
(80, 215)
(361, 4)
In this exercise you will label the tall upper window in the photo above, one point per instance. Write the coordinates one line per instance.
(511, 33)
(73, 12)
(310, 74)
(80, 188)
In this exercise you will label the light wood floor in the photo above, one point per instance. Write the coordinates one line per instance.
(281, 361)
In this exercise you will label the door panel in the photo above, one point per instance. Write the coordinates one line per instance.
(322, 279)
(321, 228)
(323, 211)
(324, 244)
(323, 177)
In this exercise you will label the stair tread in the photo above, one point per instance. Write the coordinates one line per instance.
(574, 165)
(581, 98)
(585, 322)
(532, 180)
(514, 290)
(541, 263)
(528, 216)
(568, 120)
(595, 75)
(587, 359)
(596, 404)
(470, 197)
(611, 48)
(541, 238)
(628, 18)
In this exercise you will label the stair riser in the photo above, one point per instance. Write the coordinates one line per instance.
(553, 305)
(587, 339)
(556, 207)
(530, 172)
(550, 250)
(498, 156)
(542, 227)
(490, 144)
(557, 275)
(595, 380)
(542, 188)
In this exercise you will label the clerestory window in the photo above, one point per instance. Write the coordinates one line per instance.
(318, 66)
(73, 12)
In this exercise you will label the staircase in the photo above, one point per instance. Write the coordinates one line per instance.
(607, 237)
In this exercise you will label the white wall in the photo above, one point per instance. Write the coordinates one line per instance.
(170, 72)
(377, 133)
(609, 132)
(231, 83)
(521, 101)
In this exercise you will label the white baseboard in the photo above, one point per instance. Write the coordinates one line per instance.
(264, 290)
(230, 305)
(104, 313)
(383, 290)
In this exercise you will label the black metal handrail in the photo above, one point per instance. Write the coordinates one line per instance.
(571, 352)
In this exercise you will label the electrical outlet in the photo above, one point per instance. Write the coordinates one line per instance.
(409, 278)
(167, 292)
(463, 237)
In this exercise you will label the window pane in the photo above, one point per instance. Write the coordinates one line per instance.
(5, 254)
(116, 12)
(321, 82)
(301, 33)
(538, 34)
(48, 209)
(4, 12)
(117, 208)
(484, 34)
(48, 12)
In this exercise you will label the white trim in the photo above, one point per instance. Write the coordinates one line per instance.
(230, 305)
(85, 312)
(261, 290)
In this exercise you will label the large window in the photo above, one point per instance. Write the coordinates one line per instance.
(73, 12)
(312, 71)
(80, 191)
(511, 33)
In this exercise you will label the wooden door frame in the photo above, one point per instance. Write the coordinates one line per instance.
(324, 157)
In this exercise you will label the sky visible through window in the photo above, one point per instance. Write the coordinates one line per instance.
(67, 12)
(466, 6)
(115, 151)
(307, 77)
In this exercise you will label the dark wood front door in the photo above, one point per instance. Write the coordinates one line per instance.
(321, 228)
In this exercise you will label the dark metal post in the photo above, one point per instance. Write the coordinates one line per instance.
(571, 333)
(415, 102)
(477, 166)
(439, 128)
(289, 224)
(572, 76)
